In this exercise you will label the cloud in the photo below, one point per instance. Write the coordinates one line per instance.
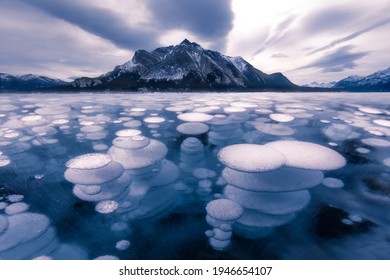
(279, 55)
(208, 20)
(329, 19)
(99, 21)
(352, 35)
(338, 60)
(276, 33)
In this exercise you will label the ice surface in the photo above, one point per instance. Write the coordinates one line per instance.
(162, 207)
(251, 158)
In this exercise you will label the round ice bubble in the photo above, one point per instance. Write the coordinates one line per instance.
(274, 129)
(4, 161)
(307, 155)
(281, 117)
(15, 198)
(91, 128)
(139, 158)
(95, 176)
(382, 122)
(23, 228)
(370, 110)
(251, 158)
(154, 120)
(195, 117)
(280, 180)
(89, 161)
(106, 206)
(192, 128)
(132, 143)
(363, 150)
(3, 205)
(122, 245)
(332, 183)
(386, 162)
(100, 147)
(128, 132)
(230, 110)
(221, 234)
(31, 118)
(275, 203)
(224, 210)
(91, 189)
(219, 244)
(52, 110)
(375, 142)
(16, 208)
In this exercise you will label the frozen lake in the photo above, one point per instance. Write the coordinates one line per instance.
(195, 176)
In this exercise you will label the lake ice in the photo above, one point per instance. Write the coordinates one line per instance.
(195, 176)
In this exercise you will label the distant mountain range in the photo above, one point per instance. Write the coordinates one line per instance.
(28, 82)
(189, 67)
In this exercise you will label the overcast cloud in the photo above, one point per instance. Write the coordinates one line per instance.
(307, 40)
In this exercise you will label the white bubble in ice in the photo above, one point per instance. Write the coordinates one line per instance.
(122, 245)
(4, 161)
(60, 121)
(308, 155)
(192, 128)
(31, 118)
(374, 142)
(376, 132)
(106, 206)
(87, 123)
(363, 150)
(333, 144)
(325, 121)
(91, 128)
(243, 104)
(332, 183)
(275, 203)
(100, 147)
(251, 158)
(138, 109)
(128, 132)
(370, 110)
(15, 198)
(89, 161)
(382, 122)
(275, 129)
(52, 110)
(279, 180)
(16, 208)
(230, 110)
(12, 135)
(282, 117)
(195, 117)
(224, 210)
(91, 189)
(386, 162)
(209, 233)
(154, 120)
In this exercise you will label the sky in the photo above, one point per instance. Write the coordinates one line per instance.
(307, 40)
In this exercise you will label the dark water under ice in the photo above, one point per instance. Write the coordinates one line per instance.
(40, 133)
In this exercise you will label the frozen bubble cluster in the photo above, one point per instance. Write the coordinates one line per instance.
(131, 176)
(270, 181)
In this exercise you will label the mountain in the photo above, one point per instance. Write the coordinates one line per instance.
(378, 81)
(28, 82)
(320, 84)
(186, 66)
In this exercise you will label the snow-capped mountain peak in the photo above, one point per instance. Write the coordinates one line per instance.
(378, 81)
